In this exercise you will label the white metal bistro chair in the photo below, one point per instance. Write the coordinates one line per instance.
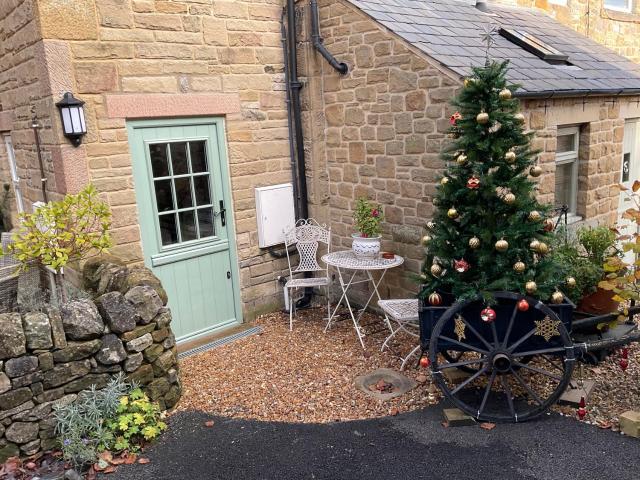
(405, 313)
(307, 235)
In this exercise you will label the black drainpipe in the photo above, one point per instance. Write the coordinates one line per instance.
(318, 44)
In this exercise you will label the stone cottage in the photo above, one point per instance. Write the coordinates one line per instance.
(186, 114)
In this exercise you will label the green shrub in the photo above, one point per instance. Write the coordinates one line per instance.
(81, 426)
(137, 420)
(598, 243)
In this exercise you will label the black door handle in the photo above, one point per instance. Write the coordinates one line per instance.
(223, 213)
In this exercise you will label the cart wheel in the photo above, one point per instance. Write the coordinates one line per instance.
(502, 386)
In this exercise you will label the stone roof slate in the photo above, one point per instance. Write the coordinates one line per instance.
(450, 31)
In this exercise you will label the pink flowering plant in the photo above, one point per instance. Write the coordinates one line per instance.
(368, 217)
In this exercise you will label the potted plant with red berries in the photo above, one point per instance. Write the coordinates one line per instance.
(367, 218)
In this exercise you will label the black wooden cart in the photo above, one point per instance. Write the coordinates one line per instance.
(515, 367)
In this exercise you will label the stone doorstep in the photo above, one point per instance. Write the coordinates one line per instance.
(630, 423)
(455, 375)
(403, 384)
(573, 393)
(457, 418)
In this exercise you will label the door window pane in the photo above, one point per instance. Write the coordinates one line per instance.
(205, 221)
(626, 167)
(168, 231)
(164, 198)
(201, 187)
(183, 192)
(188, 226)
(198, 156)
(159, 160)
(618, 4)
(179, 158)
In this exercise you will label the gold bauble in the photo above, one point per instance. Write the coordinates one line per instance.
(519, 267)
(444, 180)
(519, 117)
(474, 242)
(535, 171)
(436, 270)
(534, 215)
(502, 245)
(571, 282)
(452, 213)
(531, 287)
(557, 297)
(543, 248)
(534, 245)
(482, 118)
(510, 156)
(468, 82)
(509, 198)
(462, 159)
(431, 225)
(425, 240)
(505, 94)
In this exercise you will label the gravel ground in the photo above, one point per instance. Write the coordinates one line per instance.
(306, 376)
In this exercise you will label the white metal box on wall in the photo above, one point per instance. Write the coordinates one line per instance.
(274, 213)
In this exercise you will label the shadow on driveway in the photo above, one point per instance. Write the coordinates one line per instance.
(410, 446)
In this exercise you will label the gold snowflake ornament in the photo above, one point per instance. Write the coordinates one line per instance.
(547, 328)
(460, 328)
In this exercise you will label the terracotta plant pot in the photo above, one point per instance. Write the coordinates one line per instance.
(365, 247)
(598, 302)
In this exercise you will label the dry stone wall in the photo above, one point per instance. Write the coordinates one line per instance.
(47, 358)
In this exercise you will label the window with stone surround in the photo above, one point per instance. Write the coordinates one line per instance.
(619, 5)
(566, 178)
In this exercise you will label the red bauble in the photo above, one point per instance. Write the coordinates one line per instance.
(454, 118)
(624, 364)
(425, 362)
(461, 265)
(473, 183)
(435, 299)
(488, 315)
(523, 305)
(625, 352)
(582, 412)
(582, 403)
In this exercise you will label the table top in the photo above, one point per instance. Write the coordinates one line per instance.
(347, 259)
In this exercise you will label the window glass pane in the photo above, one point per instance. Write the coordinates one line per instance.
(183, 192)
(179, 158)
(198, 157)
(201, 186)
(205, 220)
(566, 143)
(564, 184)
(188, 226)
(164, 199)
(159, 164)
(619, 4)
(168, 232)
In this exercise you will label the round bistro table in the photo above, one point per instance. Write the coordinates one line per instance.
(348, 266)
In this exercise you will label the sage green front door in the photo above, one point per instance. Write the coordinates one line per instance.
(186, 223)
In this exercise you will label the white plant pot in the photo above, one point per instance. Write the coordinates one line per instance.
(365, 247)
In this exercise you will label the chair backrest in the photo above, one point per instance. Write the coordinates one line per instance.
(307, 235)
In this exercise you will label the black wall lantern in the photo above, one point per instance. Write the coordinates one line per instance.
(72, 116)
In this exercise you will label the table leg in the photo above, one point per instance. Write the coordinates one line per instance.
(377, 293)
(345, 288)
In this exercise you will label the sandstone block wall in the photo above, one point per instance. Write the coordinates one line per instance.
(47, 358)
(620, 31)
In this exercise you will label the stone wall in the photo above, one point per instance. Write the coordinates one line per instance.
(619, 31)
(47, 358)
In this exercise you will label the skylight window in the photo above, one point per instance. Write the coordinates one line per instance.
(534, 45)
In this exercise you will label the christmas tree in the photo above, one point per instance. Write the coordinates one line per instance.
(489, 233)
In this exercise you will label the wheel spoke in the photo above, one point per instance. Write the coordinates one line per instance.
(462, 363)
(529, 390)
(487, 391)
(507, 392)
(469, 380)
(511, 320)
(522, 339)
(495, 333)
(538, 352)
(538, 370)
(475, 332)
(462, 344)
(555, 365)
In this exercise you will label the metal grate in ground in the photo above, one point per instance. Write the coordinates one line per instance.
(220, 342)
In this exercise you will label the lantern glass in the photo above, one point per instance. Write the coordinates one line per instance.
(72, 117)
